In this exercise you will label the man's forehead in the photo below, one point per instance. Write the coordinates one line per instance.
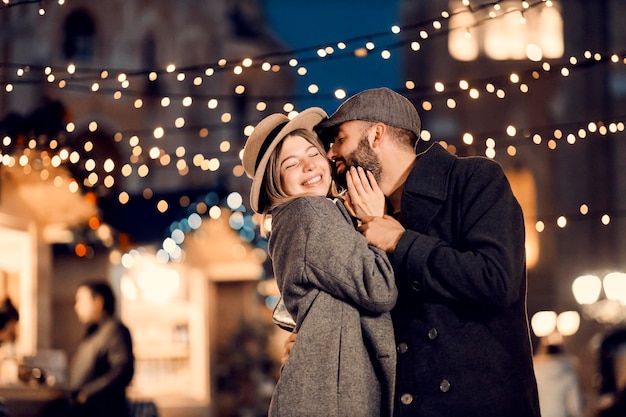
(344, 129)
(348, 126)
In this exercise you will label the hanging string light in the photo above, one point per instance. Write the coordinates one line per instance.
(116, 84)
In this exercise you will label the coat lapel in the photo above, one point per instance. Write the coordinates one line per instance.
(426, 188)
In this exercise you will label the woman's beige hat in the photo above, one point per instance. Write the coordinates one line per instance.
(264, 139)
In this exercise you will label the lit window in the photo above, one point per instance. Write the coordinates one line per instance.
(508, 32)
(78, 44)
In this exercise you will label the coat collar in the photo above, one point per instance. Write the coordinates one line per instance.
(426, 188)
(430, 177)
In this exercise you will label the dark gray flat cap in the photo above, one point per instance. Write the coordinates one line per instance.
(374, 105)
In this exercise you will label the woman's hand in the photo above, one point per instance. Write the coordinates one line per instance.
(364, 197)
(288, 345)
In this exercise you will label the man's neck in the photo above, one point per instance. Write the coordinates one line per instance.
(395, 173)
(396, 178)
(393, 202)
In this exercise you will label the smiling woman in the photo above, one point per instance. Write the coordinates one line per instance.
(337, 289)
(303, 168)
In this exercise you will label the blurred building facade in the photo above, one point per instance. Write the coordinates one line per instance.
(108, 115)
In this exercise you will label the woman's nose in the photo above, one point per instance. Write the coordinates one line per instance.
(308, 165)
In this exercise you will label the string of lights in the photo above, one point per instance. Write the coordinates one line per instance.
(591, 127)
(6, 4)
(116, 84)
(461, 86)
(283, 58)
(443, 90)
(429, 28)
(564, 67)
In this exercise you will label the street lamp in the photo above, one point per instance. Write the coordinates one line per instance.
(552, 325)
(611, 309)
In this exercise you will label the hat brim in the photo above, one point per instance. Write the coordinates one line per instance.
(306, 119)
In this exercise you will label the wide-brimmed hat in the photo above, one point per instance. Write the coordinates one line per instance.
(263, 140)
(374, 105)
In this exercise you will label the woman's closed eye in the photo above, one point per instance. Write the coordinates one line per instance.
(294, 160)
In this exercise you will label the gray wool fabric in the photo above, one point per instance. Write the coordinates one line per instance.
(339, 290)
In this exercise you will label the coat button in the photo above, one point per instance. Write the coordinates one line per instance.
(432, 334)
(416, 286)
(402, 347)
(444, 385)
(406, 399)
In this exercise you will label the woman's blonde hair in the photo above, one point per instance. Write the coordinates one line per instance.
(272, 192)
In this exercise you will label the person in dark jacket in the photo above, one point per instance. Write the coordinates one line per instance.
(454, 233)
(612, 375)
(338, 290)
(103, 364)
(9, 317)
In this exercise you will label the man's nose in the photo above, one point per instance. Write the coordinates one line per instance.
(330, 154)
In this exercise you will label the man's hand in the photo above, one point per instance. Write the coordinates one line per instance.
(382, 232)
(364, 197)
(288, 344)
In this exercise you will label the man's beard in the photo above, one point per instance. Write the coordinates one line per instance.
(363, 156)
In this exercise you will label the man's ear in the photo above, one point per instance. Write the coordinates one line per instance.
(380, 129)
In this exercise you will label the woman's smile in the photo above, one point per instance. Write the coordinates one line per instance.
(313, 181)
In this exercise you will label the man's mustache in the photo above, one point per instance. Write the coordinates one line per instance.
(335, 160)
(340, 178)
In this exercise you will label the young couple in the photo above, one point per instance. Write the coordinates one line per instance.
(408, 291)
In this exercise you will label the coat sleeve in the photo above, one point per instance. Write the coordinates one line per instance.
(313, 246)
(483, 262)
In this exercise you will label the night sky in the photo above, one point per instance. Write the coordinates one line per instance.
(300, 24)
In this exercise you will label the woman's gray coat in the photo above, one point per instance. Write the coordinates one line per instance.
(339, 291)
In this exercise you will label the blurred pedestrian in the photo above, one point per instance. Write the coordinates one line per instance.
(612, 372)
(103, 364)
(9, 317)
(557, 381)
